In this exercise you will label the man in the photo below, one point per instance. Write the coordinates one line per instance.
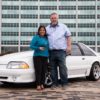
(59, 38)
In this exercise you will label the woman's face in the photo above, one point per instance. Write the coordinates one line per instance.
(42, 31)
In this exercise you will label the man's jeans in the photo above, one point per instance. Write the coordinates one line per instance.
(58, 59)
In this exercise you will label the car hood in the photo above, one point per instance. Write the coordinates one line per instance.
(15, 56)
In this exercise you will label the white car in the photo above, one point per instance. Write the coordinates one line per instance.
(19, 67)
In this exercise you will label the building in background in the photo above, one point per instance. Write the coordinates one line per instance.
(20, 20)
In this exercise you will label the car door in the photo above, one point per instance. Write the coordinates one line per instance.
(76, 62)
(89, 56)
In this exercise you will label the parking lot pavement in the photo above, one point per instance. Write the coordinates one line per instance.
(78, 89)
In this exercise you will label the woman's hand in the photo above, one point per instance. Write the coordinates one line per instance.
(42, 48)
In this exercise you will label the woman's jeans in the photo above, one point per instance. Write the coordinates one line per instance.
(58, 59)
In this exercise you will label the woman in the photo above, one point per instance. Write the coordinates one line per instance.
(40, 46)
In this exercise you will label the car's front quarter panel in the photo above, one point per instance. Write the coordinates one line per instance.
(17, 75)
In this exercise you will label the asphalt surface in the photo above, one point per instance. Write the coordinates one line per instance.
(78, 89)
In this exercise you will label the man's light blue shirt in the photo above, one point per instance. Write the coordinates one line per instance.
(57, 36)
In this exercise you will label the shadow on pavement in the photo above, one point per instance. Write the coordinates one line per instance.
(33, 85)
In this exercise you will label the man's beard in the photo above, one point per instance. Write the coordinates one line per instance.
(54, 24)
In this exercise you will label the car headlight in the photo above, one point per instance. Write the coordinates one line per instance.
(17, 65)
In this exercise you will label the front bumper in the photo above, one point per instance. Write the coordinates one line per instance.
(17, 75)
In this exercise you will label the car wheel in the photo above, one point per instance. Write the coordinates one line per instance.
(94, 73)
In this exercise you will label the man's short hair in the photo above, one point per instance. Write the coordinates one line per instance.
(54, 13)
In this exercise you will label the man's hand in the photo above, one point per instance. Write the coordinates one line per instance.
(42, 48)
(68, 51)
(68, 45)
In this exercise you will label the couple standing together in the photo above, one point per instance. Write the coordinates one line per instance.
(54, 42)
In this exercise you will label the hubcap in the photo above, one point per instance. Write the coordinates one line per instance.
(96, 71)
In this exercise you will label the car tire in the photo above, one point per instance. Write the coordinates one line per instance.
(94, 73)
(88, 78)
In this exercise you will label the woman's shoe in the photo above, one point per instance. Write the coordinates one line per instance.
(42, 87)
(38, 88)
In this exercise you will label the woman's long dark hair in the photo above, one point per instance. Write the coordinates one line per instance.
(39, 31)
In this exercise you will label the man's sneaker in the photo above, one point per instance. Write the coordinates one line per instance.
(64, 86)
(59, 86)
(54, 87)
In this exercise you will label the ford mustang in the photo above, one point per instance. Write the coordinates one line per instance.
(19, 67)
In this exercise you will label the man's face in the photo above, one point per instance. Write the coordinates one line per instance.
(54, 19)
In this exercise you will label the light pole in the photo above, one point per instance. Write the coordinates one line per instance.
(19, 32)
(0, 22)
(96, 26)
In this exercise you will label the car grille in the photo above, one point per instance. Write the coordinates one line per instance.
(2, 77)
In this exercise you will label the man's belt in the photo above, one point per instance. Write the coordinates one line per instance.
(57, 50)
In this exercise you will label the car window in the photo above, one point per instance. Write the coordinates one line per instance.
(76, 50)
(86, 50)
